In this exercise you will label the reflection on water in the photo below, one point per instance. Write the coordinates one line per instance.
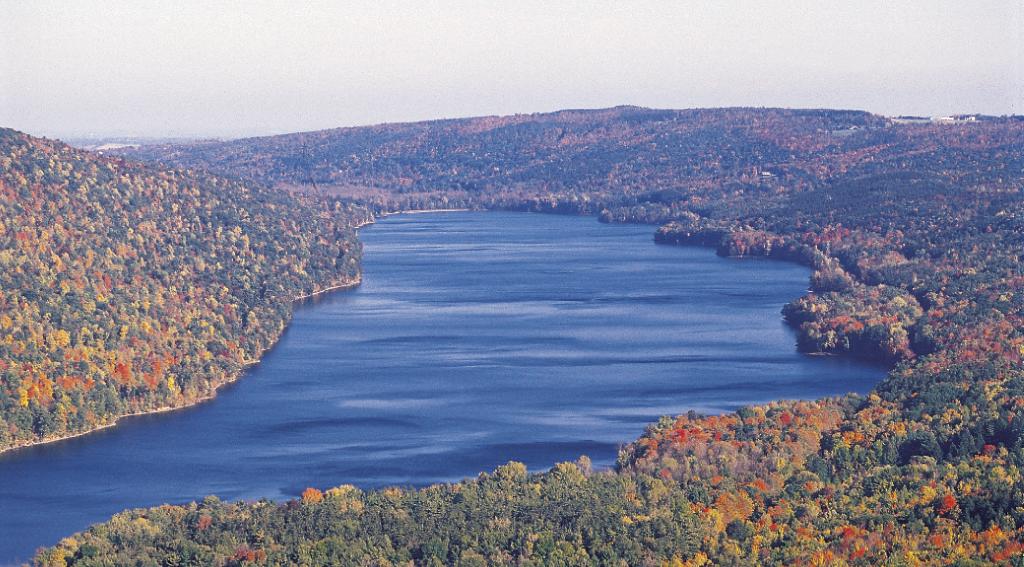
(476, 338)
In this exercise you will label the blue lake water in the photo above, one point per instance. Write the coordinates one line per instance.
(475, 339)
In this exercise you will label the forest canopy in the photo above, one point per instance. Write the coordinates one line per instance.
(126, 288)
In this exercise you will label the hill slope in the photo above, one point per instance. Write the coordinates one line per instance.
(705, 158)
(623, 149)
(126, 288)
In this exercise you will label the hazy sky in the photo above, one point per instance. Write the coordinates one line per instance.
(211, 68)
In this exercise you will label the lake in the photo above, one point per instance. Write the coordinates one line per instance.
(475, 339)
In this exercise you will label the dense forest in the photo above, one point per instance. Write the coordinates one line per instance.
(126, 288)
(914, 233)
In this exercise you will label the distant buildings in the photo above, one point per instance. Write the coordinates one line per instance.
(951, 119)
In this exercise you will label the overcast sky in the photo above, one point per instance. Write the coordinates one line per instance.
(210, 68)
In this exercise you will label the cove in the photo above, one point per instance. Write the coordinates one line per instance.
(475, 339)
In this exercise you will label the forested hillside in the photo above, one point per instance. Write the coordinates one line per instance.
(663, 162)
(915, 234)
(626, 150)
(126, 288)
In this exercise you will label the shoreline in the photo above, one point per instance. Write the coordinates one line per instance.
(342, 286)
(422, 211)
(386, 214)
(162, 409)
(246, 364)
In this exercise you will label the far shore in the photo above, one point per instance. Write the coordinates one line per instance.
(421, 211)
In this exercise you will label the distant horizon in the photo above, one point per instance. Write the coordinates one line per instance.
(96, 136)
